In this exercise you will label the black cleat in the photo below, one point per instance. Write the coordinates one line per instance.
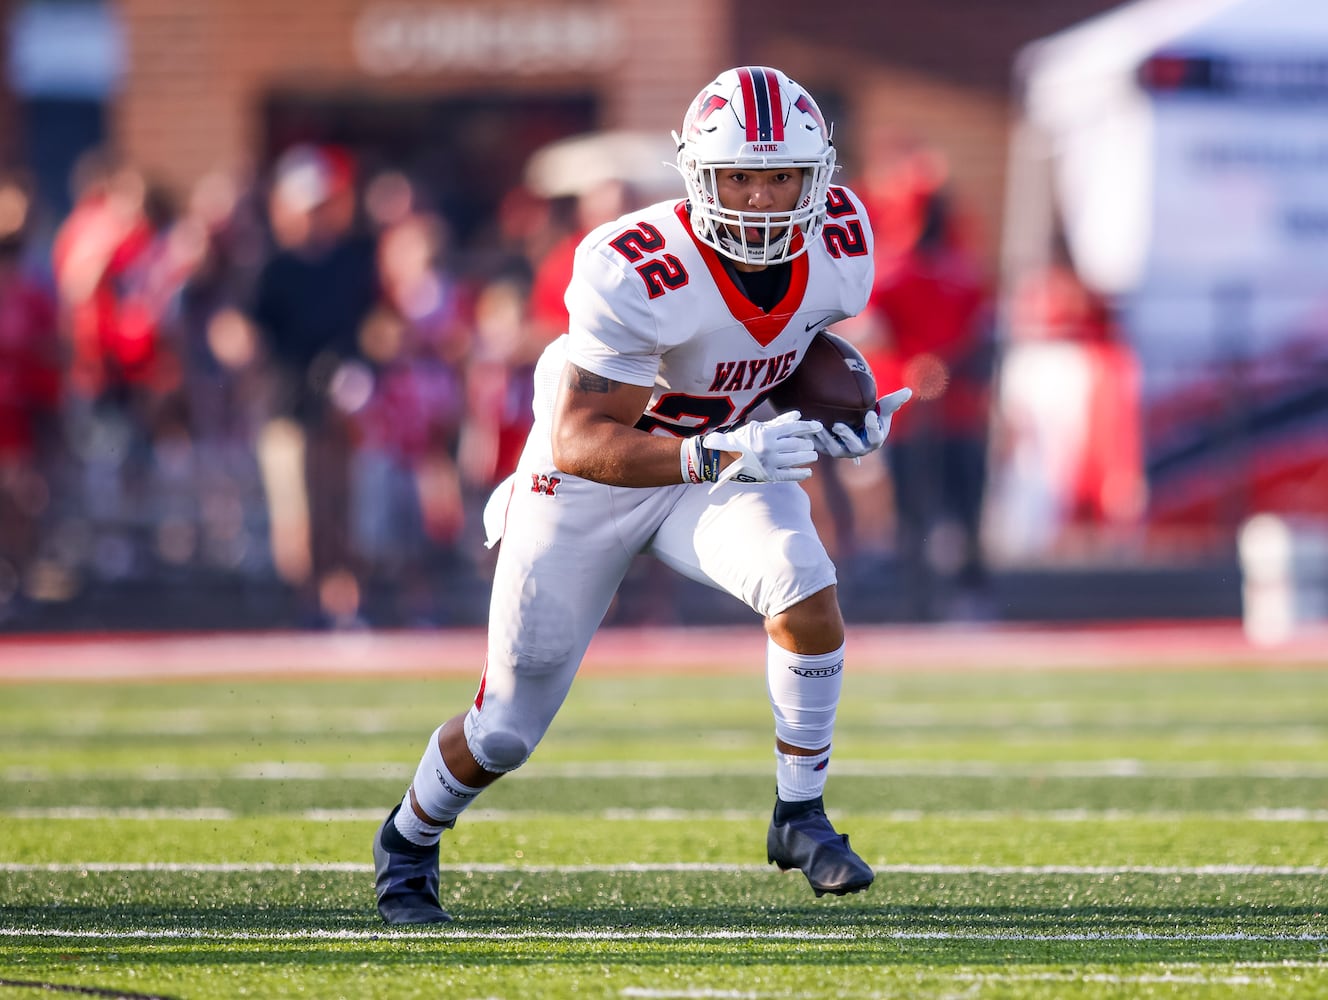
(808, 841)
(405, 878)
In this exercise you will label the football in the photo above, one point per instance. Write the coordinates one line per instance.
(832, 383)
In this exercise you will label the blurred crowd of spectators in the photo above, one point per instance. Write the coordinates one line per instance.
(299, 377)
(287, 377)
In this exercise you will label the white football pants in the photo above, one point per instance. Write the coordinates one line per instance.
(566, 545)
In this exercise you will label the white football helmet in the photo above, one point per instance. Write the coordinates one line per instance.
(755, 118)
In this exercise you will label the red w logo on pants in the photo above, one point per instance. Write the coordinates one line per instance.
(543, 484)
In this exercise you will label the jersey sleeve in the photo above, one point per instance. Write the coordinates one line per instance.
(612, 330)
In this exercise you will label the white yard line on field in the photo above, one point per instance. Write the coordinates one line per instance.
(664, 814)
(697, 993)
(97, 814)
(356, 867)
(813, 935)
(608, 771)
(1113, 979)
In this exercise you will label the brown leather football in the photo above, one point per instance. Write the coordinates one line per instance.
(832, 384)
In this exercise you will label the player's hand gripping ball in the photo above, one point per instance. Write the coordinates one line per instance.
(834, 384)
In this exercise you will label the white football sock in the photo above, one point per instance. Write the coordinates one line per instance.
(414, 829)
(804, 695)
(799, 778)
(438, 793)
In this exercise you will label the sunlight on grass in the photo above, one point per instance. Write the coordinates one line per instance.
(1037, 835)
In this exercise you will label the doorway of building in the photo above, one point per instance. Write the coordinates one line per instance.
(464, 153)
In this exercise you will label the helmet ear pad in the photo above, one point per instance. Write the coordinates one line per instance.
(755, 118)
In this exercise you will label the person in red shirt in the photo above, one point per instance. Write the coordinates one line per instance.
(30, 384)
(94, 256)
(932, 305)
(546, 316)
(1103, 484)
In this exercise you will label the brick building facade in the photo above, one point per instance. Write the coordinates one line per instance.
(475, 86)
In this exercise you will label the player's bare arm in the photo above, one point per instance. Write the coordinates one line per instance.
(595, 434)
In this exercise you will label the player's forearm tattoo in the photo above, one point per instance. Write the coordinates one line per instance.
(580, 380)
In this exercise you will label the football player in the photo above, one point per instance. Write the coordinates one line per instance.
(683, 315)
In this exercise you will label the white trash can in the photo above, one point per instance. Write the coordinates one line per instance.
(1284, 576)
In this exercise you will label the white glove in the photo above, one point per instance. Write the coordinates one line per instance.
(769, 451)
(842, 441)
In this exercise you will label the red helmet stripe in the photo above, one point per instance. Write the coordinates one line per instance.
(760, 98)
(749, 103)
(776, 109)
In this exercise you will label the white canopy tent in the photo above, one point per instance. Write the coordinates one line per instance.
(1176, 140)
(1178, 151)
(579, 163)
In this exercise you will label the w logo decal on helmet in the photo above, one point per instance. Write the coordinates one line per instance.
(705, 106)
(808, 107)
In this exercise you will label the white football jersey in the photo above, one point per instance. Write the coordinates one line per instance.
(651, 305)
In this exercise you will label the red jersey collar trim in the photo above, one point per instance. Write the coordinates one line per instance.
(762, 326)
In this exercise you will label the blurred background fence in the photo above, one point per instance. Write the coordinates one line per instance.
(272, 281)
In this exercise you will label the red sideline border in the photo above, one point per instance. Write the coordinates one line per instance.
(732, 649)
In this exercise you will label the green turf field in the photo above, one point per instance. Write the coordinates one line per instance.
(1048, 834)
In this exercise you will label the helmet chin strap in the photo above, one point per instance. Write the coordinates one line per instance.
(761, 252)
(743, 251)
